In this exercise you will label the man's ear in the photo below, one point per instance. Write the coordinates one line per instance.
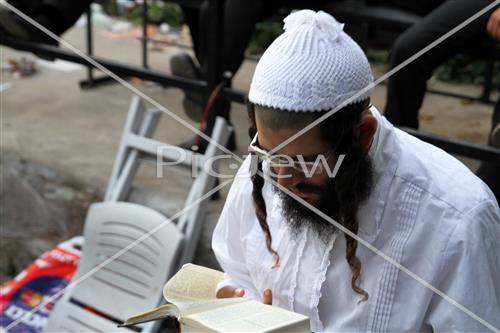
(366, 129)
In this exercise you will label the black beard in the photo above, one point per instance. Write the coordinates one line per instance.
(298, 217)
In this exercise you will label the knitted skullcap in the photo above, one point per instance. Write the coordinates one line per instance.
(314, 65)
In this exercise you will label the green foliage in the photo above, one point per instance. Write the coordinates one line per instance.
(465, 70)
(158, 12)
(461, 69)
(377, 56)
(264, 34)
(110, 7)
(171, 14)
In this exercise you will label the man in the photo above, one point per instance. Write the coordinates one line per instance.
(408, 199)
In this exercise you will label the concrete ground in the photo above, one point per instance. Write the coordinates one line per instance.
(48, 119)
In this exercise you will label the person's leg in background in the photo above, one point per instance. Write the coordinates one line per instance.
(28, 7)
(183, 65)
(192, 19)
(13, 26)
(55, 15)
(406, 88)
(240, 17)
(489, 172)
(64, 13)
(239, 21)
(239, 24)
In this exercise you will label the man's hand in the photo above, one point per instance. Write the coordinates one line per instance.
(233, 291)
(493, 26)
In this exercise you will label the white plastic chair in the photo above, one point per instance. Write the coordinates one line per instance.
(133, 282)
(130, 283)
(136, 142)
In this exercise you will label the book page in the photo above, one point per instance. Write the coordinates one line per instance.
(189, 308)
(250, 316)
(192, 290)
(192, 283)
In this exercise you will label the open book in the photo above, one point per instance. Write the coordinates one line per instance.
(191, 293)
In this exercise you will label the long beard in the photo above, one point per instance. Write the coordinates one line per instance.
(298, 217)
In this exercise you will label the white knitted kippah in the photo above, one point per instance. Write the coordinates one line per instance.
(314, 65)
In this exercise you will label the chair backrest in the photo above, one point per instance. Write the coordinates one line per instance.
(136, 141)
(191, 223)
(127, 256)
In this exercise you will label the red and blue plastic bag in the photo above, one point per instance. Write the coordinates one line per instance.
(44, 278)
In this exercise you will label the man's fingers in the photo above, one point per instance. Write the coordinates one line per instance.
(267, 296)
(230, 291)
(239, 292)
(494, 31)
(233, 291)
(489, 26)
(493, 26)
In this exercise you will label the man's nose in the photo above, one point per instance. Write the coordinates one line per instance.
(288, 177)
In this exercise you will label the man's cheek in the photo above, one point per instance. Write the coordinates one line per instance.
(319, 183)
(314, 200)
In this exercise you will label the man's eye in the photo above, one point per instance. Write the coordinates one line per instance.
(310, 159)
(292, 160)
(280, 160)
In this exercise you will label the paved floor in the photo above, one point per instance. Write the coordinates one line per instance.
(47, 118)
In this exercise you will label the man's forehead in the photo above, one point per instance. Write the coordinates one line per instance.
(277, 119)
(309, 143)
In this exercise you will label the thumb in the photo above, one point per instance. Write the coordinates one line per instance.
(267, 296)
(239, 292)
(230, 291)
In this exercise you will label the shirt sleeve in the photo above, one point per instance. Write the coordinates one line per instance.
(227, 237)
(470, 274)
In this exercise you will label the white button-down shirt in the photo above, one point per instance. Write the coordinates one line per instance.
(427, 211)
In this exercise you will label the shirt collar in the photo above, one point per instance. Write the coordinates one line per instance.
(384, 153)
(381, 149)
